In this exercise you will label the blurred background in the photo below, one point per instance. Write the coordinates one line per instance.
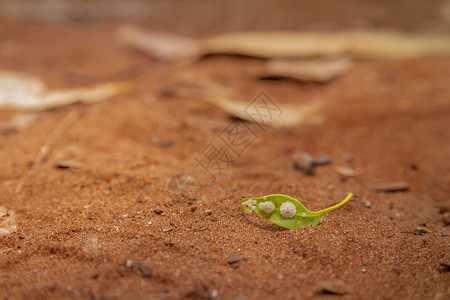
(197, 17)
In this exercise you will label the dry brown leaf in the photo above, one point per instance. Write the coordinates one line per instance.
(290, 114)
(319, 70)
(360, 43)
(68, 164)
(368, 43)
(391, 186)
(283, 115)
(21, 92)
(7, 221)
(337, 287)
(160, 45)
(346, 171)
(424, 230)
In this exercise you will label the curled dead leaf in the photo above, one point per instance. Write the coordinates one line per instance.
(68, 164)
(357, 43)
(22, 92)
(346, 171)
(336, 287)
(160, 45)
(261, 110)
(291, 114)
(391, 187)
(423, 229)
(318, 70)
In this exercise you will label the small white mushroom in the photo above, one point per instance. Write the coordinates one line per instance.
(288, 210)
(267, 206)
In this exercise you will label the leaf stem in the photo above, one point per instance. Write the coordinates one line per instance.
(322, 212)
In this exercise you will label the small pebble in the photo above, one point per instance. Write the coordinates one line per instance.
(446, 221)
(366, 203)
(165, 142)
(346, 158)
(443, 210)
(214, 294)
(168, 243)
(129, 263)
(323, 160)
(144, 269)
(147, 188)
(235, 258)
(304, 162)
(158, 211)
(3, 211)
(333, 239)
(208, 212)
(7, 221)
(444, 268)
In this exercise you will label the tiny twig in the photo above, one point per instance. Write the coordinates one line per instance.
(45, 149)
(202, 228)
(5, 250)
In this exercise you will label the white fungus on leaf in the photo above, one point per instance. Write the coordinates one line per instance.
(250, 204)
(267, 206)
(288, 209)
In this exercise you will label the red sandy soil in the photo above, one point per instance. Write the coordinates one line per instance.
(388, 120)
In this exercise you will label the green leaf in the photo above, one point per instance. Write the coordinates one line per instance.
(286, 211)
